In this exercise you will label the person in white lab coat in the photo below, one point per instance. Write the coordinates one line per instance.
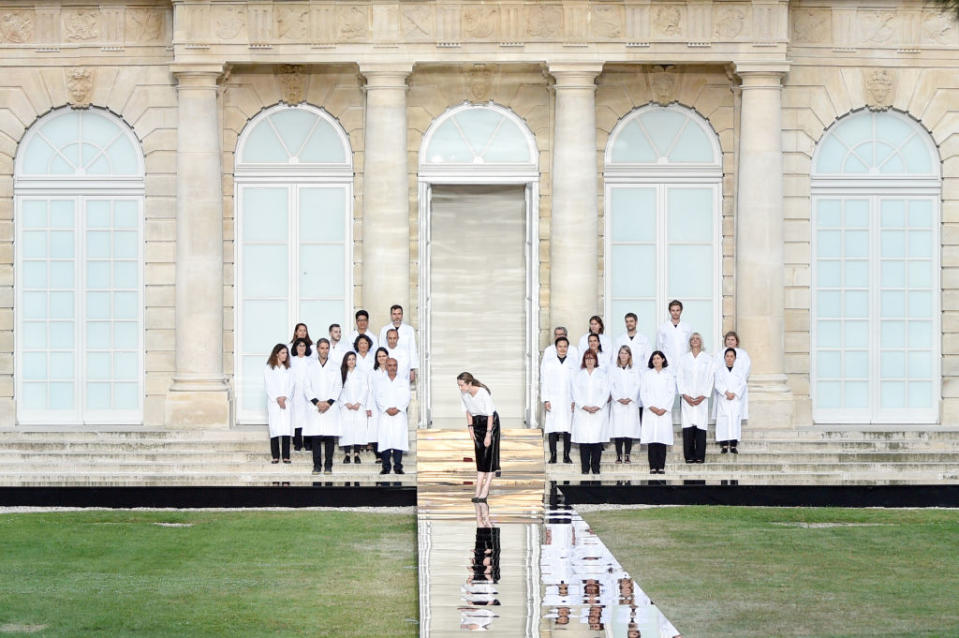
(407, 338)
(549, 354)
(695, 387)
(638, 343)
(604, 358)
(731, 387)
(596, 327)
(659, 393)
(338, 347)
(300, 331)
(323, 386)
(482, 420)
(365, 354)
(392, 396)
(300, 364)
(363, 328)
(743, 366)
(624, 423)
(355, 410)
(590, 412)
(672, 338)
(555, 389)
(395, 351)
(278, 382)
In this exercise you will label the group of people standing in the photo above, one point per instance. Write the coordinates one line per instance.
(355, 393)
(599, 391)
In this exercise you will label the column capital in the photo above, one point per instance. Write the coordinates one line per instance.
(575, 75)
(386, 76)
(760, 75)
(197, 76)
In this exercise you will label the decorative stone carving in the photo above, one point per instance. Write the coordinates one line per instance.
(292, 83)
(544, 21)
(16, 27)
(144, 25)
(480, 22)
(728, 22)
(938, 27)
(80, 25)
(416, 22)
(352, 23)
(877, 26)
(879, 86)
(292, 22)
(663, 84)
(79, 82)
(667, 21)
(607, 21)
(812, 25)
(480, 83)
(229, 21)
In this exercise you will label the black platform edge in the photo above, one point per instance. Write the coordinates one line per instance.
(189, 497)
(763, 495)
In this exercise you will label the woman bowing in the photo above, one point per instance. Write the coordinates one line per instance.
(484, 428)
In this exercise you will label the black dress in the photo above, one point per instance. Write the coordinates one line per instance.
(487, 458)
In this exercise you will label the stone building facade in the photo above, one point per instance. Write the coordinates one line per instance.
(789, 166)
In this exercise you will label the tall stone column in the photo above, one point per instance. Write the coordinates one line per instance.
(574, 224)
(199, 396)
(759, 244)
(386, 195)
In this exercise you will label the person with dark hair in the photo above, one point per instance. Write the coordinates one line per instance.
(555, 390)
(300, 364)
(355, 410)
(482, 421)
(596, 327)
(659, 393)
(638, 344)
(590, 412)
(300, 331)
(672, 339)
(549, 354)
(365, 356)
(624, 424)
(323, 386)
(695, 384)
(731, 386)
(406, 338)
(392, 396)
(604, 358)
(338, 347)
(743, 366)
(279, 386)
(363, 328)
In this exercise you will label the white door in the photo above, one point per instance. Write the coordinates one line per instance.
(477, 305)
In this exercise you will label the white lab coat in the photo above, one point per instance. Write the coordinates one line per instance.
(549, 354)
(356, 389)
(278, 382)
(658, 390)
(695, 379)
(624, 419)
(673, 341)
(555, 386)
(604, 341)
(324, 384)
(640, 347)
(743, 366)
(339, 351)
(402, 360)
(729, 411)
(590, 389)
(300, 405)
(393, 431)
(366, 363)
(407, 342)
(368, 333)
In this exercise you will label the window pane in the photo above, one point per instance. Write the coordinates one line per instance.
(828, 274)
(61, 274)
(294, 126)
(645, 310)
(920, 394)
(98, 305)
(34, 335)
(892, 212)
(126, 213)
(632, 146)
(126, 396)
(857, 274)
(61, 305)
(828, 394)
(125, 334)
(857, 303)
(829, 213)
(323, 313)
(700, 315)
(125, 274)
(61, 365)
(322, 214)
(920, 243)
(892, 334)
(920, 304)
(265, 271)
(920, 213)
(857, 243)
(125, 305)
(857, 365)
(690, 271)
(690, 214)
(251, 391)
(447, 146)
(893, 274)
(920, 365)
(265, 214)
(693, 146)
(98, 335)
(662, 125)
(125, 365)
(857, 213)
(34, 396)
(828, 304)
(34, 274)
(125, 244)
(829, 244)
(262, 146)
(98, 244)
(856, 334)
(98, 365)
(829, 364)
(324, 147)
(61, 396)
(61, 334)
(61, 244)
(892, 303)
(892, 394)
(892, 364)
(633, 271)
(633, 213)
(34, 365)
(828, 334)
(98, 213)
(264, 325)
(98, 274)
(98, 396)
(920, 334)
(856, 395)
(322, 271)
(509, 144)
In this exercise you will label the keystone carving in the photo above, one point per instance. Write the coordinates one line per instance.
(880, 88)
(79, 82)
(663, 84)
(292, 83)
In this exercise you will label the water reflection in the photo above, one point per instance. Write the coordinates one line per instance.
(482, 585)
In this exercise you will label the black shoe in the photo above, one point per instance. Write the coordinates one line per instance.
(328, 471)
(552, 459)
(700, 461)
(566, 459)
(652, 471)
(346, 459)
(399, 470)
(475, 499)
(298, 449)
(384, 471)
(690, 461)
(661, 471)
(725, 450)
(317, 470)
(734, 450)
(356, 459)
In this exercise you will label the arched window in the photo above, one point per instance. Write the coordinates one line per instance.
(78, 196)
(294, 198)
(663, 175)
(875, 256)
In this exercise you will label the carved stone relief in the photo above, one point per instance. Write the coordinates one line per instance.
(292, 83)
(292, 22)
(938, 27)
(79, 81)
(877, 27)
(480, 83)
(144, 25)
(728, 22)
(480, 22)
(667, 22)
(812, 25)
(544, 21)
(16, 26)
(607, 21)
(229, 21)
(80, 25)
(352, 24)
(664, 84)
(416, 23)
(879, 86)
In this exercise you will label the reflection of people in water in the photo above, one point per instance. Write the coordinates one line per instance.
(482, 584)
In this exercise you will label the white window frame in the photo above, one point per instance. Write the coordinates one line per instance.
(79, 189)
(294, 177)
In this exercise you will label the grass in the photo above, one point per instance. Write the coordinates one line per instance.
(118, 573)
(744, 572)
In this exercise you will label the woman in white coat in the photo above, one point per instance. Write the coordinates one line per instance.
(355, 410)
(743, 366)
(624, 423)
(731, 388)
(555, 389)
(596, 327)
(658, 393)
(695, 385)
(300, 361)
(590, 412)
(323, 386)
(365, 357)
(279, 387)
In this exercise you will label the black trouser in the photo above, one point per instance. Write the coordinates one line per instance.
(299, 441)
(275, 442)
(397, 457)
(320, 445)
(694, 444)
(729, 443)
(589, 456)
(623, 442)
(553, 437)
(657, 456)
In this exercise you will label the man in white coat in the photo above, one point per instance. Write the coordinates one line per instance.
(556, 376)
(398, 353)
(338, 347)
(673, 335)
(638, 343)
(363, 328)
(407, 337)
(322, 389)
(392, 395)
(549, 354)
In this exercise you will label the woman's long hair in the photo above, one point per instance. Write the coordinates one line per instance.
(305, 342)
(309, 341)
(469, 379)
(660, 353)
(588, 353)
(376, 357)
(344, 370)
(274, 360)
(602, 326)
(629, 364)
(599, 343)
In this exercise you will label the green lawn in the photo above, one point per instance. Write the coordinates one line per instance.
(750, 571)
(118, 573)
